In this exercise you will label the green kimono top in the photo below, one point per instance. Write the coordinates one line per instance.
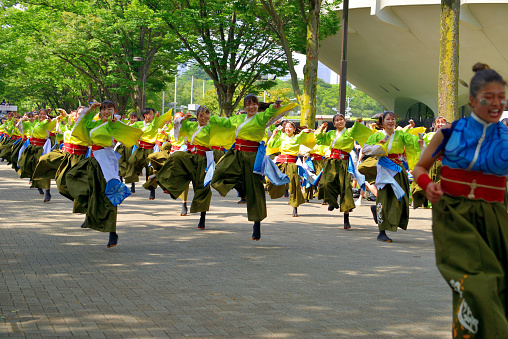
(66, 131)
(400, 142)
(104, 133)
(225, 131)
(27, 131)
(345, 140)
(197, 135)
(290, 145)
(428, 137)
(11, 129)
(151, 129)
(320, 149)
(39, 129)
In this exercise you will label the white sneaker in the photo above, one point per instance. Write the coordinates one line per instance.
(358, 202)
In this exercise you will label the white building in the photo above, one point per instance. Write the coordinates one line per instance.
(393, 49)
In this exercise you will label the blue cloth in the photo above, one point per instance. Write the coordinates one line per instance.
(385, 176)
(25, 145)
(116, 191)
(460, 148)
(209, 173)
(88, 152)
(360, 178)
(260, 156)
(273, 173)
(316, 182)
(387, 163)
(15, 142)
(134, 148)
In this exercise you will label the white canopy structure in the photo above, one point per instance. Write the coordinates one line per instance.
(393, 48)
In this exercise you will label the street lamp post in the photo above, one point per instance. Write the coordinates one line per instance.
(143, 96)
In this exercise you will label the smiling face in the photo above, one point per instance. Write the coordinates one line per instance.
(203, 117)
(107, 111)
(289, 129)
(251, 106)
(489, 102)
(149, 116)
(339, 122)
(133, 118)
(439, 123)
(43, 114)
(389, 123)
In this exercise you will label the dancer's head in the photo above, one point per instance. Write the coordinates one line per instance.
(339, 121)
(487, 94)
(203, 115)
(107, 109)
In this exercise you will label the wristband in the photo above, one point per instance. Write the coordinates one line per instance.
(423, 181)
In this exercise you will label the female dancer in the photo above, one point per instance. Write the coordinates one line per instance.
(236, 167)
(390, 212)
(336, 179)
(317, 156)
(138, 160)
(86, 180)
(417, 193)
(125, 152)
(289, 144)
(468, 215)
(183, 167)
(30, 156)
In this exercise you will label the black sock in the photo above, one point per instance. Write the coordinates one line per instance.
(202, 220)
(256, 234)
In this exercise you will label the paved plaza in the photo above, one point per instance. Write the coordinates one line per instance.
(306, 278)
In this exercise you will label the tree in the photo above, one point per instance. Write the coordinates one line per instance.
(226, 42)
(298, 26)
(100, 39)
(449, 60)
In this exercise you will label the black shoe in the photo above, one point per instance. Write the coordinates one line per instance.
(371, 196)
(256, 234)
(295, 212)
(47, 196)
(306, 200)
(133, 188)
(374, 212)
(152, 194)
(242, 201)
(113, 239)
(41, 191)
(383, 237)
(184, 209)
(201, 224)
(330, 208)
(83, 225)
(347, 225)
(286, 195)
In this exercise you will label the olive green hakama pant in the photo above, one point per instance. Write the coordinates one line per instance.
(15, 154)
(471, 241)
(137, 161)
(48, 164)
(27, 164)
(235, 169)
(392, 213)
(67, 162)
(86, 184)
(336, 181)
(417, 193)
(157, 160)
(178, 171)
(313, 191)
(295, 189)
(6, 149)
(125, 153)
(368, 167)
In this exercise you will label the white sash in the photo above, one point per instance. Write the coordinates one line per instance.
(195, 134)
(338, 136)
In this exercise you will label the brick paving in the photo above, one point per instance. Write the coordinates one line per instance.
(306, 278)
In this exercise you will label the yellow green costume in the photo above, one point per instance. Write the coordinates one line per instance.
(85, 180)
(289, 146)
(335, 180)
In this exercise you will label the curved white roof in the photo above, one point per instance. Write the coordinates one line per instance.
(393, 48)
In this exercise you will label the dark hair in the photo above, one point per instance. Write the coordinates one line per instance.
(483, 75)
(43, 109)
(383, 116)
(298, 129)
(202, 109)
(107, 102)
(336, 115)
(251, 97)
(146, 111)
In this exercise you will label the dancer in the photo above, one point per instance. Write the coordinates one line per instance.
(183, 167)
(417, 193)
(469, 220)
(289, 143)
(86, 180)
(125, 152)
(30, 156)
(392, 202)
(138, 160)
(335, 180)
(317, 156)
(236, 167)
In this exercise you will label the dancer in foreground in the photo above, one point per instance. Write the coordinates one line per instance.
(470, 223)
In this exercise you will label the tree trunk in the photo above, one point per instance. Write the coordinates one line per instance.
(449, 60)
(308, 97)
